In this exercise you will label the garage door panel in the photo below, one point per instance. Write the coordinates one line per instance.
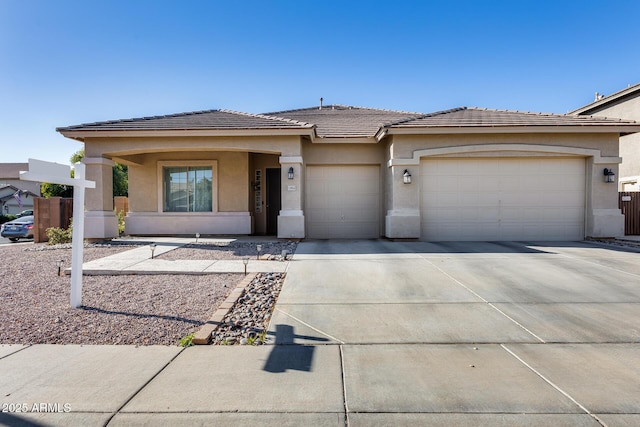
(448, 185)
(343, 202)
(430, 184)
(318, 188)
(509, 184)
(442, 214)
(510, 214)
(449, 199)
(488, 183)
(503, 199)
(468, 182)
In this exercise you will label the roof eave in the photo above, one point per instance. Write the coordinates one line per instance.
(418, 130)
(82, 134)
(607, 100)
(346, 139)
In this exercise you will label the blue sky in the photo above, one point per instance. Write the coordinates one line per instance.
(70, 62)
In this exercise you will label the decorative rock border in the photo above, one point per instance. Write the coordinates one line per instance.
(203, 336)
(248, 320)
(244, 316)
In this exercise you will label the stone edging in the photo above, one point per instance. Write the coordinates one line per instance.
(203, 336)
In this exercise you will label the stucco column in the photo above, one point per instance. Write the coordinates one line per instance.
(100, 219)
(291, 218)
(403, 219)
(604, 218)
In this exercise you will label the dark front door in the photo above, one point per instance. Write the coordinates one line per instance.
(273, 201)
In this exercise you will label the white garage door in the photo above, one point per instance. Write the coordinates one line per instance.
(342, 202)
(497, 199)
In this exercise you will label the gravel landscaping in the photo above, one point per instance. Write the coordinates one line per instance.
(225, 250)
(143, 310)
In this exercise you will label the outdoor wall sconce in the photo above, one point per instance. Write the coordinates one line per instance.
(59, 264)
(245, 261)
(291, 172)
(609, 175)
(406, 177)
(153, 248)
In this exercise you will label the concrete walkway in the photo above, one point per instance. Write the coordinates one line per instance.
(140, 261)
(379, 333)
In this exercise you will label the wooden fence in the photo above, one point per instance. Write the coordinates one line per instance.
(58, 212)
(629, 204)
(121, 204)
(51, 212)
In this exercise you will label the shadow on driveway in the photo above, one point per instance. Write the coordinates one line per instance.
(286, 355)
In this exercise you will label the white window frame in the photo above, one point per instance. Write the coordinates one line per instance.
(187, 163)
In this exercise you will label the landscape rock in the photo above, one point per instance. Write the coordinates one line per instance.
(249, 317)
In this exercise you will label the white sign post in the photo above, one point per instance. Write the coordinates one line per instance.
(56, 173)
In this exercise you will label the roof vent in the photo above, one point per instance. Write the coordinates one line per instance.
(320, 104)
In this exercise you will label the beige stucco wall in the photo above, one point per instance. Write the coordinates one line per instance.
(232, 180)
(237, 158)
(625, 109)
(142, 155)
(629, 171)
(403, 146)
(337, 154)
(603, 218)
(127, 149)
(100, 219)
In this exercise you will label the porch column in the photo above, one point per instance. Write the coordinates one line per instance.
(100, 219)
(403, 219)
(291, 218)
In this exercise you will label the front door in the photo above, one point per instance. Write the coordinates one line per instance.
(273, 200)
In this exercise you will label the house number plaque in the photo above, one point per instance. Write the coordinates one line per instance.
(258, 189)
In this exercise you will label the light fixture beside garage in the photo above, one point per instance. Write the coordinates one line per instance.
(291, 172)
(406, 177)
(609, 175)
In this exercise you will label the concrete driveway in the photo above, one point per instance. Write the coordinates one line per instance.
(472, 333)
(378, 333)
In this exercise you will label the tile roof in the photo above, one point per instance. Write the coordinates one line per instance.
(340, 121)
(479, 117)
(12, 190)
(209, 119)
(606, 101)
(335, 121)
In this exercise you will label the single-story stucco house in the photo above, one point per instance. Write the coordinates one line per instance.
(350, 172)
(14, 200)
(624, 104)
(16, 195)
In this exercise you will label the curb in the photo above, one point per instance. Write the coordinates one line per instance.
(203, 336)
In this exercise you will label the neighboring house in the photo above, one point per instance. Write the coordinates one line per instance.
(10, 175)
(10, 184)
(624, 104)
(14, 200)
(349, 172)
